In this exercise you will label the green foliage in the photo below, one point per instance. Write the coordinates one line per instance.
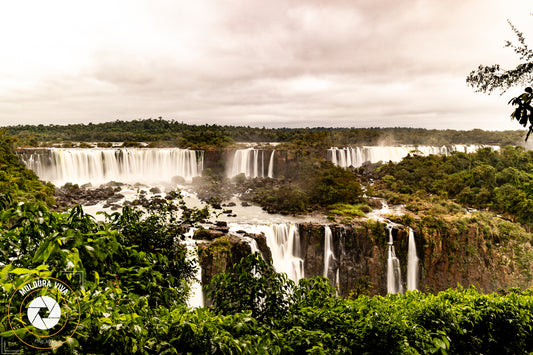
(349, 211)
(315, 185)
(496, 180)
(129, 306)
(137, 274)
(252, 286)
(524, 112)
(18, 181)
(332, 184)
(132, 265)
(166, 133)
(284, 200)
(214, 188)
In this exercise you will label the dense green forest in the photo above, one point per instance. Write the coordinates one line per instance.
(500, 181)
(170, 132)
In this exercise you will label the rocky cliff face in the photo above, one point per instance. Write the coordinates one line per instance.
(488, 253)
(359, 256)
(220, 253)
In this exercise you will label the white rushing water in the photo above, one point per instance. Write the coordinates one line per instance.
(283, 240)
(101, 165)
(328, 249)
(357, 156)
(252, 163)
(412, 263)
(271, 165)
(385, 211)
(196, 296)
(394, 273)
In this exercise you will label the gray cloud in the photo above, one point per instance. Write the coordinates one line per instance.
(273, 63)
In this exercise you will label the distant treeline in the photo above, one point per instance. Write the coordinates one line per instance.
(173, 133)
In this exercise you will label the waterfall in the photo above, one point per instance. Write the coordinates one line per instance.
(283, 241)
(286, 247)
(251, 163)
(394, 274)
(328, 249)
(412, 263)
(254, 248)
(357, 156)
(196, 296)
(100, 165)
(271, 165)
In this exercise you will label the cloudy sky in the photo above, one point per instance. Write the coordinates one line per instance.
(273, 63)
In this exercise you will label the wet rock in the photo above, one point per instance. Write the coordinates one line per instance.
(114, 184)
(207, 234)
(224, 230)
(358, 255)
(70, 194)
(178, 180)
(219, 256)
(261, 241)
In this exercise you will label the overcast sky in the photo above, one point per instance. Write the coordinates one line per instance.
(273, 63)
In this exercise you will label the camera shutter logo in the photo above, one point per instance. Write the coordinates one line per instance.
(44, 302)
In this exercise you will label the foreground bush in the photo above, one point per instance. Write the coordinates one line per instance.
(136, 276)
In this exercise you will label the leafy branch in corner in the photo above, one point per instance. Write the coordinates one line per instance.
(524, 112)
(493, 77)
(490, 78)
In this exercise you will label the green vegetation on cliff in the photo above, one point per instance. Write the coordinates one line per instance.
(17, 181)
(500, 181)
(313, 185)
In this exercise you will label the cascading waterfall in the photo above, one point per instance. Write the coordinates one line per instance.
(271, 165)
(357, 156)
(328, 249)
(251, 163)
(254, 248)
(412, 263)
(196, 297)
(283, 241)
(394, 274)
(100, 165)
